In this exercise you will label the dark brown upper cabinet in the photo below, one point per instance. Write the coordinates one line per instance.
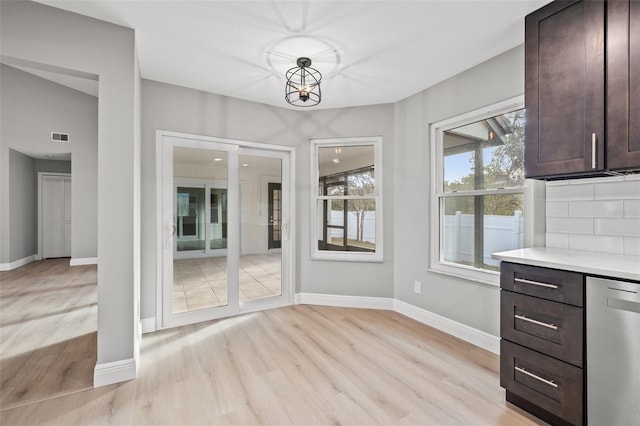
(565, 89)
(623, 84)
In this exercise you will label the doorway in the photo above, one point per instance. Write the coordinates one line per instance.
(218, 226)
(54, 215)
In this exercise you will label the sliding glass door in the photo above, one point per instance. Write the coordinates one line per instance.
(218, 255)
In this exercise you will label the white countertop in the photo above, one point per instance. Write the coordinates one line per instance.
(604, 264)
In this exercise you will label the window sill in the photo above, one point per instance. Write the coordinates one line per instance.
(348, 256)
(488, 278)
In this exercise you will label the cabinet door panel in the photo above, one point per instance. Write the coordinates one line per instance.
(545, 283)
(564, 88)
(544, 382)
(634, 82)
(623, 84)
(552, 328)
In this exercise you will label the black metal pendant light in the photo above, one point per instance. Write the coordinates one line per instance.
(303, 84)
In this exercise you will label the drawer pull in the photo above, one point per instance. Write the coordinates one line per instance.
(543, 324)
(539, 284)
(535, 376)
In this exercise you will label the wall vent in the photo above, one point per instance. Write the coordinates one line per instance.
(60, 137)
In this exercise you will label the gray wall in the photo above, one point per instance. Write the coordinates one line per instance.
(22, 205)
(474, 304)
(52, 166)
(169, 107)
(32, 32)
(33, 107)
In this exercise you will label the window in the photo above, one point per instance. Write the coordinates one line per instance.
(479, 190)
(346, 199)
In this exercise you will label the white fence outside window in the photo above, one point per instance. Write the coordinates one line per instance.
(368, 231)
(501, 233)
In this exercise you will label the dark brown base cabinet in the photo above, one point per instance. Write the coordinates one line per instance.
(582, 89)
(542, 347)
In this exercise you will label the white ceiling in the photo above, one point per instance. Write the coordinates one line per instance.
(369, 52)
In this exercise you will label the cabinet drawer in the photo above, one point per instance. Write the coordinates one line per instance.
(552, 328)
(546, 283)
(552, 385)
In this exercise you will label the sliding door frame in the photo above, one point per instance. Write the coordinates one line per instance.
(166, 140)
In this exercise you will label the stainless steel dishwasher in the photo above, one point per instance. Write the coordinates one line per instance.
(613, 352)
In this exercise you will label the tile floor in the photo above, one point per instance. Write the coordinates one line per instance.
(201, 283)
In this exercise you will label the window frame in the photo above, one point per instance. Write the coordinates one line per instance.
(530, 191)
(349, 256)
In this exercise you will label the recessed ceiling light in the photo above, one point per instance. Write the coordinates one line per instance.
(245, 165)
(49, 156)
(217, 159)
(336, 160)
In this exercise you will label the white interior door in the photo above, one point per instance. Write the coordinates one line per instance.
(221, 277)
(55, 205)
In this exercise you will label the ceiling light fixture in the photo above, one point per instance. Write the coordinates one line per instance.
(303, 84)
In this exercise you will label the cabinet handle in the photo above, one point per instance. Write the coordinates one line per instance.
(594, 140)
(535, 376)
(539, 284)
(543, 324)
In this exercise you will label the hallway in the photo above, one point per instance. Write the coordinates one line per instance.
(48, 323)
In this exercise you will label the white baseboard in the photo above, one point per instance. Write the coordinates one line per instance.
(148, 325)
(345, 301)
(17, 263)
(77, 261)
(464, 332)
(114, 372)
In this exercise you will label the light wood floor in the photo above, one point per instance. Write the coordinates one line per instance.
(48, 320)
(299, 365)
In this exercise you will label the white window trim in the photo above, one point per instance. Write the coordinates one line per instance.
(349, 256)
(532, 196)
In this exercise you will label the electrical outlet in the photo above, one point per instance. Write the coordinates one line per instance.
(417, 287)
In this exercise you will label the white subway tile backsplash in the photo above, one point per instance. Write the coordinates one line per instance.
(612, 208)
(622, 227)
(631, 208)
(597, 243)
(558, 209)
(570, 192)
(626, 190)
(570, 225)
(607, 179)
(632, 246)
(594, 214)
(556, 183)
(557, 240)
